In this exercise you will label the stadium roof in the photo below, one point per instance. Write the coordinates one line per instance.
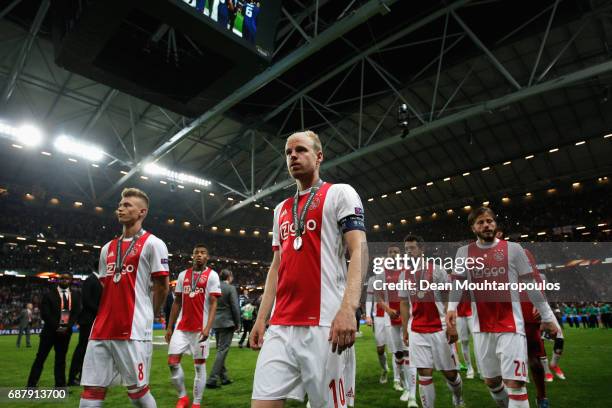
(488, 85)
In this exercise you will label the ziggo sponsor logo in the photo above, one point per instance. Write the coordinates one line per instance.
(288, 228)
(110, 269)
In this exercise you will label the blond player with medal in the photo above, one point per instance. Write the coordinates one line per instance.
(310, 293)
(193, 310)
(133, 270)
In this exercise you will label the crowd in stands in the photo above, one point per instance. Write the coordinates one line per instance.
(556, 213)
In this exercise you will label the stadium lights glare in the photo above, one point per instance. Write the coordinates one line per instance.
(211, 194)
(413, 188)
(97, 246)
(45, 153)
(255, 232)
(507, 163)
(430, 183)
(95, 165)
(580, 143)
(383, 196)
(398, 192)
(144, 177)
(266, 208)
(68, 145)
(230, 199)
(157, 170)
(434, 215)
(195, 190)
(580, 227)
(603, 224)
(467, 173)
(450, 211)
(418, 218)
(531, 156)
(370, 199)
(542, 233)
(376, 226)
(525, 236)
(608, 136)
(486, 168)
(214, 228)
(556, 149)
(447, 179)
(181, 186)
(485, 203)
(21, 239)
(403, 221)
(25, 135)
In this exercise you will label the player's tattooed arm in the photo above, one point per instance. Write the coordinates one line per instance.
(160, 292)
(343, 327)
(267, 300)
(212, 311)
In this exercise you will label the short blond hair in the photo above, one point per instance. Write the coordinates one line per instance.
(135, 192)
(314, 138)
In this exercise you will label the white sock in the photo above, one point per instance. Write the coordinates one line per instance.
(555, 359)
(177, 376)
(410, 378)
(427, 392)
(142, 398)
(396, 372)
(91, 403)
(382, 359)
(544, 361)
(518, 398)
(465, 349)
(456, 386)
(500, 395)
(199, 382)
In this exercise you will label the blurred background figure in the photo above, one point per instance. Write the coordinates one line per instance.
(25, 324)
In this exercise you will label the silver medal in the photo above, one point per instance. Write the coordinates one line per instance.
(297, 243)
(116, 277)
(420, 294)
(192, 294)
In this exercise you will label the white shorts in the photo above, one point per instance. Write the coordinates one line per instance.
(105, 359)
(396, 339)
(502, 354)
(297, 360)
(465, 326)
(380, 331)
(187, 342)
(431, 350)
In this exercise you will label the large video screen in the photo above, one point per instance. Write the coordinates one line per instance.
(242, 18)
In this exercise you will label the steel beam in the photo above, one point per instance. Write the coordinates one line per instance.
(9, 87)
(364, 13)
(99, 111)
(480, 108)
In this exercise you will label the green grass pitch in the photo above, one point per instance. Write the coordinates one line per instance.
(587, 364)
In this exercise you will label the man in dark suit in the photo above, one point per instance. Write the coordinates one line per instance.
(227, 320)
(59, 309)
(91, 292)
(25, 324)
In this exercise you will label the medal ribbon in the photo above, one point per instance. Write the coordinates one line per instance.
(119, 261)
(299, 220)
(194, 280)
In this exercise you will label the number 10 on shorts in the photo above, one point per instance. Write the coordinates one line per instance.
(339, 391)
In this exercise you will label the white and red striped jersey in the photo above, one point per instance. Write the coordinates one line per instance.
(194, 311)
(311, 280)
(126, 307)
(390, 297)
(371, 297)
(503, 261)
(427, 314)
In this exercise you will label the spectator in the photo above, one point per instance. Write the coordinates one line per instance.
(227, 321)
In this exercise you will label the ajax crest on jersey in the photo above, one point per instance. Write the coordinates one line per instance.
(498, 255)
